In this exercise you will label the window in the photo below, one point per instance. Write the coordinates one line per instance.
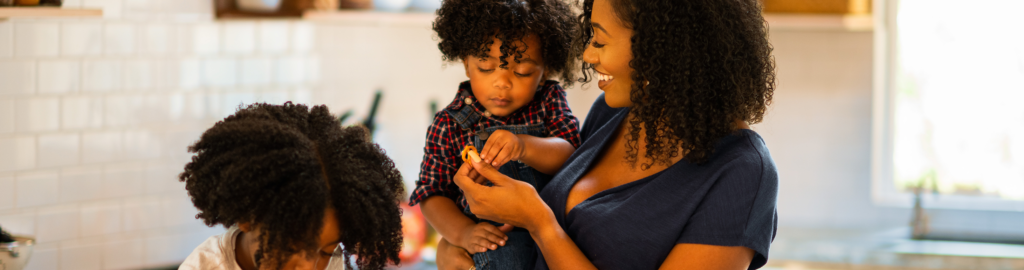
(949, 103)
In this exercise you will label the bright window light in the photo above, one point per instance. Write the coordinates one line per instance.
(958, 98)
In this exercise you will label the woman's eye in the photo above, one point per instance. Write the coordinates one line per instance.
(485, 70)
(325, 254)
(596, 45)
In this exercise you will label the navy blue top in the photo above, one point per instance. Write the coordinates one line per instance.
(728, 201)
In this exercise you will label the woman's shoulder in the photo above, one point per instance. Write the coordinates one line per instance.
(743, 155)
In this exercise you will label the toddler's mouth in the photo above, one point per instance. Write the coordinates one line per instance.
(501, 101)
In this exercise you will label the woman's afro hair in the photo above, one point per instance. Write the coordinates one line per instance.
(705, 63)
(468, 28)
(281, 167)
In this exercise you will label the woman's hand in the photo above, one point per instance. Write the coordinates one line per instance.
(509, 201)
(502, 146)
(451, 257)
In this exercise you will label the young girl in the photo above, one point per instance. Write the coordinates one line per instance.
(519, 120)
(291, 184)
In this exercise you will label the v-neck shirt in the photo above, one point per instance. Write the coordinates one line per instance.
(730, 200)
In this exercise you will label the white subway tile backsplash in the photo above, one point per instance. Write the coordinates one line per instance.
(141, 145)
(140, 75)
(122, 181)
(6, 193)
(57, 224)
(141, 214)
(302, 96)
(101, 75)
(37, 114)
(220, 72)
(162, 178)
(206, 38)
(119, 39)
(60, 76)
(44, 258)
(101, 147)
(6, 116)
(121, 111)
(80, 256)
(81, 184)
(239, 37)
(156, 108)
(100, 218)
(190, 74)
(302, 36)
(34, 39)
(312, 71)
(124, 254)
(58, 150)
(81, 112)
(17, 153)
(6, 39)
(177, 210)
(157, 39)
(290, 70)
(81, 38)
(19, 223)
(273, 37)
(111, 8)
(18, 77)
(37, 189)
(164, 249)
(273, 97)
(256, 71)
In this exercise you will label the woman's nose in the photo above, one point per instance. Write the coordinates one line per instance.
(590, 55)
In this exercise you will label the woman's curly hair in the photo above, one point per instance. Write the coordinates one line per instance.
(468, 28)
(705, 63)
(281, 167)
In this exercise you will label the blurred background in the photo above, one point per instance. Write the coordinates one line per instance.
(896, 124)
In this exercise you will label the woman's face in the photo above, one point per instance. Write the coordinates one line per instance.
(610, 53)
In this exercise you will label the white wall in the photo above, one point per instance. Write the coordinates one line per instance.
(96, 114)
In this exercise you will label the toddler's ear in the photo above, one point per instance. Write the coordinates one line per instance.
(465, 66)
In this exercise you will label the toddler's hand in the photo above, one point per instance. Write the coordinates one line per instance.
(482, 237)
(503, 146)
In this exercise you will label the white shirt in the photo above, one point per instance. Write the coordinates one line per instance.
(216, 253)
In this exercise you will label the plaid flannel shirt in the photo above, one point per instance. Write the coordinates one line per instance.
(445, 139)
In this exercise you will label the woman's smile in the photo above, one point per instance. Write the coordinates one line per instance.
(603, 79)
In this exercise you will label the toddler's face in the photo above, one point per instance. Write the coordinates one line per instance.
(503, 91)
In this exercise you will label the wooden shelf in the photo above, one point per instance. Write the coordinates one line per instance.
(11, 12)
(799, 21)
(372, 18)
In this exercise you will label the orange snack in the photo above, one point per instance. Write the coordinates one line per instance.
(470, 152)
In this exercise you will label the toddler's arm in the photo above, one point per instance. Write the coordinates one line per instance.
(543, 154)
(442, 213)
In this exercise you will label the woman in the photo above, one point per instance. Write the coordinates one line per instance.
(291, 185)
(669, 174)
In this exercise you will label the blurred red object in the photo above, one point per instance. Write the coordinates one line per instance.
(414, 233)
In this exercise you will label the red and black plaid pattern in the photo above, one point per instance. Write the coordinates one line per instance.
(445, 138)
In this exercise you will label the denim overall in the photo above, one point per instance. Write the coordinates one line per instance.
(519, 251)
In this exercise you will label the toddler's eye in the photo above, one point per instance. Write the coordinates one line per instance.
(485, 70)
(523, 75)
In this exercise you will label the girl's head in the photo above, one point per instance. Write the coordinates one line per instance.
(301, 183)
(508, 47)
(688, 70)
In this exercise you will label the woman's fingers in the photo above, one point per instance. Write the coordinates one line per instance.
(492, 174)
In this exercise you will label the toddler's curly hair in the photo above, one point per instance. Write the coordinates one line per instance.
(468, 28)
(281, 167)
